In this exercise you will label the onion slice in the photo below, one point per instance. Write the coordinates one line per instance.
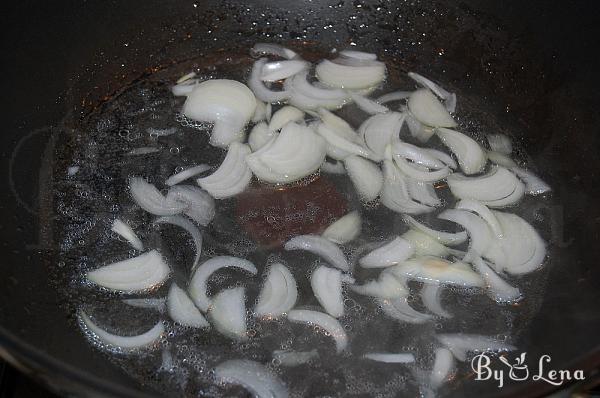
(386, 357)
(233, 175)
(254, 377)
(417, 155)
(273, 49)
(443, 366)
(470, 155)
(285, 115)
(425, 82)
(197, 288)
(278, 70)
(345, 229)
(158, 304)
(366, 177)
(394, 194)
(378, 131)
(478, 230)
(325, 322)
(260, 136)
(460, 344)
(498, 188)
(279, 293)
(387, 286)
(431, 297)
(426, 108)
(533, 184)
(425, 244)
(443, 156)
(320, 246)
(437, 271)
(200, 206)
(260, 113)
(307, 96)
(124, 230)
(140, 273)
(399, 309)
(150, 199)
(187, 173)
(391, 253)
(182, 309)
(500, 143)
(445, 238)
(418, 173)
(501, 159)
(350, 77)
(260, 90)
(423, 192)
(482, 211)
(190, 228)
(368, 105)
(498, 289)
(326, 285)
(333, 168)
(394, 96)
(125, 343)
(336, 140)
(294, 358)
(228, 313)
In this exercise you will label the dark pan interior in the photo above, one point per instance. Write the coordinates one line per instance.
(534, 64)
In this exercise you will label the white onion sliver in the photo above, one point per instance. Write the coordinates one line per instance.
(342, 143)
(232, 176)
(326, 285)
(386, 357)
(460, 344)
(325, 322)
(159, 304)
(394, 194)
(425, 82)
(278, 70)
(533, 184)
(368, 105)
(499, 289)
(358, 55)
(443, 156)
(279, 292)
(365, 176)
(418, 173)
(320, 246)
(417, 155)
(394, 96)
(228, 313)
(184, 89)
(260, 90)
(471, 157)
(378, 131)
(445, 238)
(431, 297)
(450, 103)
(197, 288)
(307, 96)
(200, 206)
(424, 244)
(187, 173)
(501, 159)
(427, 109)
(423, 192)
(482, 211)
(399, 309)
(252, 376)
(124, 230)
(140, 273)
(260, 136)
(350, 77)
(391, 253)
(182, 309)
(478, 230)
(437, 271)
(387, 286)
(345, 229)
(190, 228)
(417, 129)
(273, 49)
(338, 125)
(260, 113)
(500, 143)
(285, 115)
(146, 339)
(150, 199)
(294, 358)
(498, 186)
(333, 168)
(443, 366)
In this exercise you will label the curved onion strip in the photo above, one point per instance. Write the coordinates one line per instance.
(423, 192)
(338, 125)
(394, 96)
(368, 105)
(471, 157)
(273, 49)
(365, 176)
(182, 309)
(260, 113)
(417, 129)
(498, 288)
(159, 304)
(533, 184)
(277, 70)
(252, 376)
(418, 174)
(200, 205)
(197, 288)
(497, 188)
(509, 200)
(425, 82)
(136, 274)
(386, 357)
(443, 366)
(394, 194)
(260, 136)
(124, 230)
(342, 143)
(345, 229)
(325, 322)
(399, 309)
(460, 344)
(437, 271)
(378, 131)
(333, 168)
(416, 155)
(443, 156)
(350, 77)
(431, 297)
(326, 285)
(321, 247)
(387, 286)
(184, 89)
(445, 238)
(232, 176)
(279, 292)
(500, 143)
(150, 199)
(294, 154)
(480, 234)
(358, 55)
(424, 244)
(123, 342)
(305, 95)
(190, 228)
(482, 211)
(260, 90)
(427, 109)
(187, 173)
(501, 159)
(391, 253)
(228, 313)
(450, 103)
(285, 115)
(294, 358)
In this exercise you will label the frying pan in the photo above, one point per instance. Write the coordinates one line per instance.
(532, 65)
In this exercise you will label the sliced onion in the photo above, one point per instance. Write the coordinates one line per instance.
(200, 206)
(450, 103)
(260, 113)
(254, 377)
(294, 358)
(326, 285)
(294, 154)
(186, 77)
(387, 286)
(497, 188)
(320, 246)
(394, 194)
(358, 55)
(478, 230)
(399, 309)
(368, 105)
(334, 139)
(226, 103)
(269, 112)
(386, 357)
(184, 89)
(182, 309)
(533, 184)
(500, 143)
(378, 131)
(350, 77)
(423, 192)
(228, 313)
(366, 177)
(338, 125)
(197, 288)
(307, 96)
(260, 90)
(150, 199)
(187, 173)
(443, 156)
(445, 238)
(232, 176)
(471, 157)
(425, 244)
(285, 115)
(500, 159)
(260, 136)
(140, 273)
(460, 344)
(273, 49)
(124, 230)
(431, 297)
(146, 339)
(426, 108)
(394, 96)
(498, 288)
(417, 129)
(325, 322)
(333, 168)
(190, 228)
(279, 293)
(425, 82)
(443, 366)
(420, 174)
(437, 271)
(417, 155)
(482, 211)
(345, 229)
(278, 70)
(391, 253)
(158, 304)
